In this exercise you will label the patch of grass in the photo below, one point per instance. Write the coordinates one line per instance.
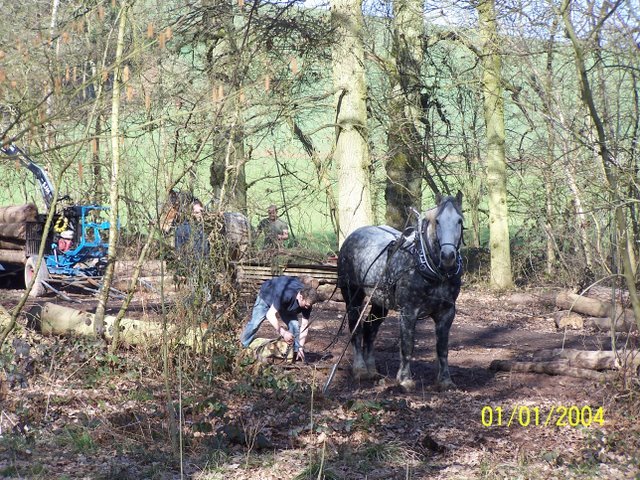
(13, 443)
(317, 470)
(9, 471)
(140, 395)
(216, 461)
(79, 439)
(34, 471)
(367, 413)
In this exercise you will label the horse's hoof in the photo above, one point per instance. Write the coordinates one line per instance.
(361, 374)
(408, 385)
(446, 384)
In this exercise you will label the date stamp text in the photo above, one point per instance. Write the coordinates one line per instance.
(552, 416)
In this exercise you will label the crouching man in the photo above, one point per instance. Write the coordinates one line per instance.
(283, 299)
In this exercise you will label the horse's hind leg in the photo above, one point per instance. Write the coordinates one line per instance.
(354, 299)
(370, 331)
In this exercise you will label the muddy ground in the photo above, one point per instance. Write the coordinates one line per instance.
(69, 410)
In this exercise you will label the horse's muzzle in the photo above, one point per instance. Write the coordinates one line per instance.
(448, 256)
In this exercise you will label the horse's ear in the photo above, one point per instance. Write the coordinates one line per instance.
(438, 198)
(459, 198)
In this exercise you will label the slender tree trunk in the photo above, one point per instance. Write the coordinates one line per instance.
(96, 163)
(351, 153)
(580, 214)
(114, 195)
(610, 167)
(404, 164)
(501, 276)
(227, 170)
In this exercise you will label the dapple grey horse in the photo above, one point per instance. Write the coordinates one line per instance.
(417, 273)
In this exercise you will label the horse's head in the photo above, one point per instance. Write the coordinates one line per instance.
(441, 231)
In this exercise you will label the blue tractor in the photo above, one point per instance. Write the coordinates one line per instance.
(76, 246)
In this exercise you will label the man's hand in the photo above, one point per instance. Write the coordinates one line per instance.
(301, 355)
(287, 336)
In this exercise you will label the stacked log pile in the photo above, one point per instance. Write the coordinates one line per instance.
(577, 311)
(13, 231)
(594, 313)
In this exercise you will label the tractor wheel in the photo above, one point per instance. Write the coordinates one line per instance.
(41, 275)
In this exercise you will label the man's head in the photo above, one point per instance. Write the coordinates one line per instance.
(197, 209)
(307, 297)
(272, 211)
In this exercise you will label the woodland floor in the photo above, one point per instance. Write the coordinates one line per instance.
(69, 410)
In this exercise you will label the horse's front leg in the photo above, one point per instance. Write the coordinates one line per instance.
(407, 333)
(443, 322)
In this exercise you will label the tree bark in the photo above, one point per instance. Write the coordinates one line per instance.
(351, 153)
(404, 165)
(604, 324)
(501, 276)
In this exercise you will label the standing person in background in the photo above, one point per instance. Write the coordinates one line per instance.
(275, 230)
(191, 242)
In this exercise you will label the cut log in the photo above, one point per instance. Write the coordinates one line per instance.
(556, 367)
(592, 359)
(52, 319)
(604, 324)
(18, 213)
(586, 305)
(592, 307)
(16, 231)
(12, 256)
(567, 319)
(11, 244)
(330, 292)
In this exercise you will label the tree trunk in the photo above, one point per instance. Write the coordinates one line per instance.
(227, 170)
(351, 153)
(610, 167)
(501, 276)
(406, 132)
(114, 195)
